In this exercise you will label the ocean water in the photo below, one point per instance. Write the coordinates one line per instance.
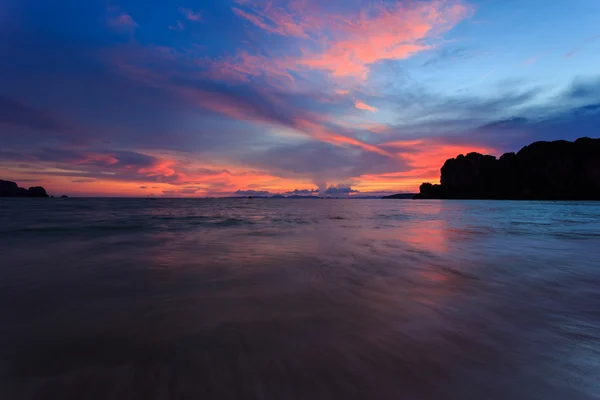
(299, 299)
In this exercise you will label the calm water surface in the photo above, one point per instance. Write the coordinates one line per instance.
(299, 299)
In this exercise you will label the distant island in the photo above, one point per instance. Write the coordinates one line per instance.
(559, 170)
(11, 189)
(403, 196)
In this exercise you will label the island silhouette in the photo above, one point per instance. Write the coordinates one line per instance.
(558, 170)
(11, 189)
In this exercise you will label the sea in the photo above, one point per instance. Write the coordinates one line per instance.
(299, 299)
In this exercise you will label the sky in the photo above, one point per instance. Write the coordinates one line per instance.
(310, 97)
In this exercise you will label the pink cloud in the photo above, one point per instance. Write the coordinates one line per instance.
(321, 133)
(346, 45)
(287, 20)
(364, 106)
(191, 15)
(164, 168)
(309, 125)
(122, 21)
(581, 46)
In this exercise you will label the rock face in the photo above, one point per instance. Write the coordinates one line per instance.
(10, 189)
(559, 170)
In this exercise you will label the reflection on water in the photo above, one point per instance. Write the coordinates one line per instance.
(296, 299)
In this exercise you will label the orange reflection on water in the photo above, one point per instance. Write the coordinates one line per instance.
(427, 235)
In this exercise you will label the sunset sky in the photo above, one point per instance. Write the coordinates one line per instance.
(239, 97)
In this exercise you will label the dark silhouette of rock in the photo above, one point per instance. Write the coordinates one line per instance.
(10, 189)
(558, 170)
(37, 191)
(64, 197)
(400, 196)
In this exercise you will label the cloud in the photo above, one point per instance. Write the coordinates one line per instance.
(191, 15)
(178, 193)
(364, 106)
(248, 103)
(318, 162)
(143, 187)
(584, 88)
(252, 193)
(567, 124)
(394, 33)
(581, 46)
(488, 73)
(506, 123)
(426, 156)
(281, 19)
(302, 192)
(346, 45)
(14, 112)
(117, 165)
(83, 181)
(122, 22)
(532, 60)
(178, 27)
(446, 55)
(195, 121)
(340, 190)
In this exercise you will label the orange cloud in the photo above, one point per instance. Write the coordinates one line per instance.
(364, 106)
(426, 153)
(424, 157)
(161, 168)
